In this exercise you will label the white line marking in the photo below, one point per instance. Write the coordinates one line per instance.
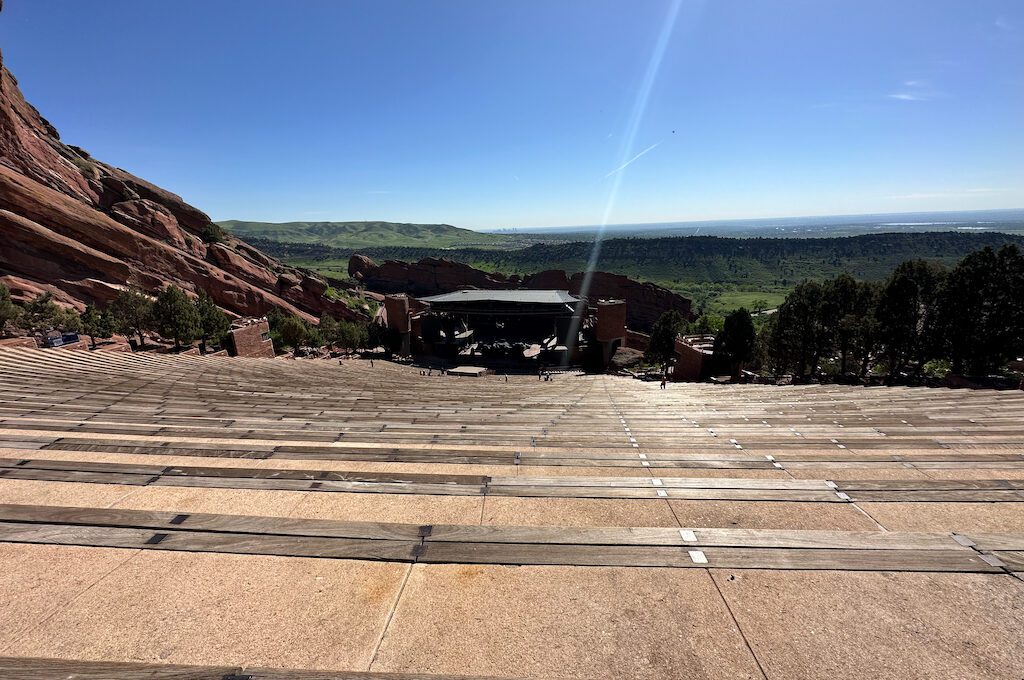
(698, 556)
(688, 535)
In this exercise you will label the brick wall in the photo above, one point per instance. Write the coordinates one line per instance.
(252, 341)
(689, 362)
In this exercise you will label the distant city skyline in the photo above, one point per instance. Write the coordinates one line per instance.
(532, 113)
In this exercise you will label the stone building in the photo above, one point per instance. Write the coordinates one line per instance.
(250, 338)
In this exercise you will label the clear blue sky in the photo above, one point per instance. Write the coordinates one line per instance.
(514, 113)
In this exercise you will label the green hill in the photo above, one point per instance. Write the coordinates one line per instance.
(365, 234)
(718, 273)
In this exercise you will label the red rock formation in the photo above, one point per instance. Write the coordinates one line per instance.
(80, 228)
(429, 276)
(645, 302)
(550, 279)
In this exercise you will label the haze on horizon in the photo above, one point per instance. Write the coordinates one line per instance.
(518, 114)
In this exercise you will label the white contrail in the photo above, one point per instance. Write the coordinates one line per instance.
(627, 163)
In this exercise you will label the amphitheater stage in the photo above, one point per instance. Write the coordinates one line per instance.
(209, 518)
(469, 371)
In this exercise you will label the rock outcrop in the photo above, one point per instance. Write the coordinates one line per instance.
(82, 229)
(645, 302)
(429, 276)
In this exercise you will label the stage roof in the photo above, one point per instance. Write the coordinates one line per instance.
(533, 297)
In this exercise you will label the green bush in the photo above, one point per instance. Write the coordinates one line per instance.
(212, 233)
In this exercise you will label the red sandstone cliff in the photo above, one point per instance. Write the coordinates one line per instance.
(80, 229)
(645, 302)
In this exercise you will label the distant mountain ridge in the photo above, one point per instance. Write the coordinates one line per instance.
(364, 234)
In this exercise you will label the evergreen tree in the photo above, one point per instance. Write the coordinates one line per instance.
(803, 331)
(293, 331)
(737, 341)
(213, 322)
(841, 315)
(980, 308)
(906, 315)
(174, 316)
(96, 324)
(41, 313)
(329, 329)
(662, 346)
(132, 314)
(67, 320)
(1010, 301)
(866, 336)
(9, 311)
(351, 336)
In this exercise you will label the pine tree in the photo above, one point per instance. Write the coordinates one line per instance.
(9, 311)
(132, 314)
(213, 322)
(662, 346)
(96, 324)
(293, 331)
(174, 316)
(736, 343)
(41, 313)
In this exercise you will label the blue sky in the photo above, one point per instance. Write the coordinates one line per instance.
(517, 113)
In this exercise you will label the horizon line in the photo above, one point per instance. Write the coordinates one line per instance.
(715, 220)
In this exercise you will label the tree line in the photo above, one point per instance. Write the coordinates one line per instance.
(172, 314)
(288, 330)
(923, 321)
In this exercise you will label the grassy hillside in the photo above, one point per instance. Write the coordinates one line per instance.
(718, 273)
(365, 234)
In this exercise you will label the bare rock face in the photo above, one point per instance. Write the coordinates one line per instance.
(645, 302)
(429, 276)
(151, 219)
(550, 279)
(73, 225)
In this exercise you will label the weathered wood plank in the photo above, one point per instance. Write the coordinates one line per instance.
(731, 558)
(72, 476)
(282, 674)
(14, 668)
(223, 542)
(992, 541)
(160, 521)
(1014, 559)
(748, 538)
(953, 496)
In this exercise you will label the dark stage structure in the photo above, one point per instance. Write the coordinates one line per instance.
(524, 328)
